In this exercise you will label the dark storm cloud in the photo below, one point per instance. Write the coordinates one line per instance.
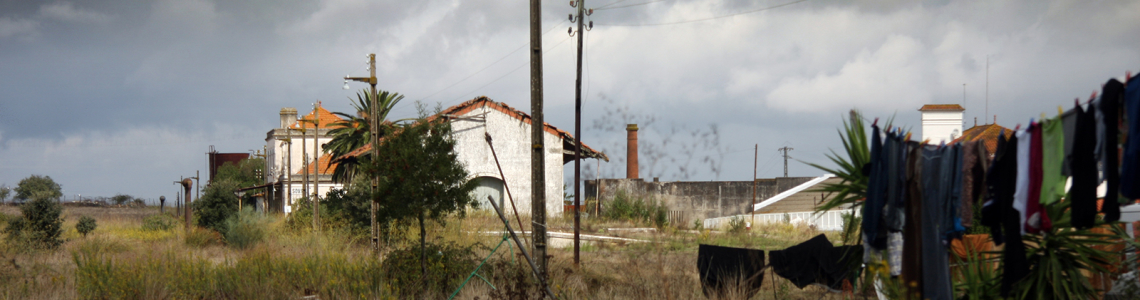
(123, 96)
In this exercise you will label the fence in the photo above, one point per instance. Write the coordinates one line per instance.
(831, 220)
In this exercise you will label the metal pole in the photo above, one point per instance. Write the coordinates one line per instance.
(578, 136)
(538, 151)
(504, 178)
(533, 267)
(316, 169)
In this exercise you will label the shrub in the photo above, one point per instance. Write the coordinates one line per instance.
(158, 223)
(201, 237)
(85, 225)
(40, 226)
(244, 229)
(447, 266)
(218, 202)
(736, 225)
(627, 208)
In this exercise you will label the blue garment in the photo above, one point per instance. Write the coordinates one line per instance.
(894, 213)
(1109, 106)
(1130, 166)
(876, 194)
(935, 260)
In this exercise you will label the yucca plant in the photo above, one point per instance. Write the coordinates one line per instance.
(848, 167)
(1058, 257)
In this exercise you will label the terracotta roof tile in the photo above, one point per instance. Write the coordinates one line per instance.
(325, 119)
(986, 133)
(483, 101)
(326, 168)
(941, 107)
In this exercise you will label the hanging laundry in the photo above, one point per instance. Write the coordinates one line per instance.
(1082, 194)
(974, 165)
(1109, 108)
(1069, 128)
(1052, 158)
(1021, 189)
(935, 262)
(874, 235)
(816, 261)
(723, 268)
(1130, 172)
(894, 213)
(912, 229)
(1036, 220)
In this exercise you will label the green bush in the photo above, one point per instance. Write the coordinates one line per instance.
(447, 266)
(218, 202)
(244, 229)
(39, 227)
(201, 237)
(85, 225)
(627, 208)
(160, 222)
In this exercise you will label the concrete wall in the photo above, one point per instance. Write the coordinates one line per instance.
(696, 199)
(941, 126)
(512, 144)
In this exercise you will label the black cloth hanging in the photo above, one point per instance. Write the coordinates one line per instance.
(874, 233)
(1130, 169)
(724, 268)
(1110, 108)
(1082, 194)
(816, 261)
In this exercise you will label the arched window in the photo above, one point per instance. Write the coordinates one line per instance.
(489, 186)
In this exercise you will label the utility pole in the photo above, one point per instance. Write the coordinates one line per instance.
(755, 157)
(316, 168)
(538, 151)
(304, 161)
(581, 4)
(785, 149)
(374, 134)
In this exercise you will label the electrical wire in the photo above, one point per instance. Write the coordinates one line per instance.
(607, 5)
(508, 73)
(628, 5)
(706, 19)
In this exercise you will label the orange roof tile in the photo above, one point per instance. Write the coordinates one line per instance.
(941, 107)
(985, 133)
(326, 167)
(325, 119)
(483, 101)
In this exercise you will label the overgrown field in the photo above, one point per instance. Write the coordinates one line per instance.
(132, 254)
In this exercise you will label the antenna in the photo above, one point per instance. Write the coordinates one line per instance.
(988, 87)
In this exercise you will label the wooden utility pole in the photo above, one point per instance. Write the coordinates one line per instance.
(374, 134)
(578, 134)
(538, 150)
(755, 157)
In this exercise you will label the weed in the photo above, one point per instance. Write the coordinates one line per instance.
(447, 265)
(159, 222)
(85, 225)
(201, 237)
(244, 229)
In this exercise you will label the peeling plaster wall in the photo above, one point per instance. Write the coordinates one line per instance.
(512, 144)
(697, 199)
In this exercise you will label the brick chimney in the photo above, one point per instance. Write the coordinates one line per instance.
(631, 152)
(288, 116)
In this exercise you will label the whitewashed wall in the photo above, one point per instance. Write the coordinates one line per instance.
(512, 143)
(941, 126)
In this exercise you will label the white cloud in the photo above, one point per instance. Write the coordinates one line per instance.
(16, 26)
(895, 75)
(65, 11)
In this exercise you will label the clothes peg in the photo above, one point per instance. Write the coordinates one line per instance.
(1060, 111)
(1127, 76)
(907, 138)
(1018, 127)
(1077, 102)
(876, 122)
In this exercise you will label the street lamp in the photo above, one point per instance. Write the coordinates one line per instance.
(373, 128)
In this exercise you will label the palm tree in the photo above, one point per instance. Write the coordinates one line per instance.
(353, 132)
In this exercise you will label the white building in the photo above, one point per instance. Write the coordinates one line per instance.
(289, 155)
(941, 123)
(471, 121)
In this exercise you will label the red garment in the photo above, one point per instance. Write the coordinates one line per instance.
(1036, 219)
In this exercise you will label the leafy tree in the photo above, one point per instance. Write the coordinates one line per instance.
(421, 176)
(40, 226)
(4, 192)
(85, 225)
(120, 199)
(219, 200)
(36, 186)
(354, 132)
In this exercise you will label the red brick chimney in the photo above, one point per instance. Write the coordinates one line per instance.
(631, 152)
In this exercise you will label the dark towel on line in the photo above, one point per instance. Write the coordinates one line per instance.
(816, 261)
(722, 268)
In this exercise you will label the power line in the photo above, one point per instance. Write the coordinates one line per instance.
(463, 96)
(628, 5)
(611, 3)
(785, 149)
(706, 19)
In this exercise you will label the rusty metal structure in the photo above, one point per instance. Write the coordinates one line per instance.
(186, 185)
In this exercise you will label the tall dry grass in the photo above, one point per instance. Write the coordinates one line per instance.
(122, 260)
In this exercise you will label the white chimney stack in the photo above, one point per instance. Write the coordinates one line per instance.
(941, 123)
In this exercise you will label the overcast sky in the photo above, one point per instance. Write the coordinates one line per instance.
(114, 97)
